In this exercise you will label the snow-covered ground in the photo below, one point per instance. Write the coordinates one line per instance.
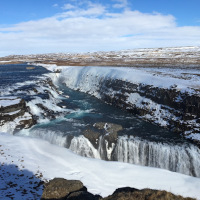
(183, 79)
(175, 56)
(38, 158)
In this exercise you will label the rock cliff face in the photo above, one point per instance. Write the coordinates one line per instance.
(14, 114)
(63, 189)
(176, 110)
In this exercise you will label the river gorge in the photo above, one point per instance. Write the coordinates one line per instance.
(103, 116)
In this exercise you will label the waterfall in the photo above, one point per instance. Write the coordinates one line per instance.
(82, 146)
(54, 137)
(184, 159)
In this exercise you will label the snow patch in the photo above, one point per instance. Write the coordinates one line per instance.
(9, 101)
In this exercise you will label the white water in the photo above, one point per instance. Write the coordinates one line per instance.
(184, 159)
(82, 146)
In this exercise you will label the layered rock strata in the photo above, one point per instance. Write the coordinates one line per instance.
(14, 114)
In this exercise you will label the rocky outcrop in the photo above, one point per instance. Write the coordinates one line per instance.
(14, 114)
(62, 189)
(103, 136)
(128, 193)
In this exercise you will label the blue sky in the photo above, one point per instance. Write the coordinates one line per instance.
(41, 26)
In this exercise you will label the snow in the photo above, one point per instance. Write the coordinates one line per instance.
(5, 61)
(12, 113)
(100, 177)
(9, 101)
(11, 125)
(183, 79)
(194, 136)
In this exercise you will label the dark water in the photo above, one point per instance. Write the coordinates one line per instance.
(17, 73)
(17, 80)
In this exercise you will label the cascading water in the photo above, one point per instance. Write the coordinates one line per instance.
(184, 159)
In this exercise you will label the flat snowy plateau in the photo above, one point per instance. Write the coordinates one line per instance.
(37, 158)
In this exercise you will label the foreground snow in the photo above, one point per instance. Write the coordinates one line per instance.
(100, 177)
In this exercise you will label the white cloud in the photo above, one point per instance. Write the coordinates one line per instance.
(68, 6)
(94, 28)
(120, 4)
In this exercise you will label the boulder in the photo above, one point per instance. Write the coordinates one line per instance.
(83, 195)
(60, 188)
(104, 135)
(92, 136)
(63, 189)
(128, 193)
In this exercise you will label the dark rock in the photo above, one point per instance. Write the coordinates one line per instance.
(103, 136)
(110, 130)
(15, 108)
(63, 189)
(92, 136)
(60, 188)
(108, 127)
(83, 195)
(145, 194)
